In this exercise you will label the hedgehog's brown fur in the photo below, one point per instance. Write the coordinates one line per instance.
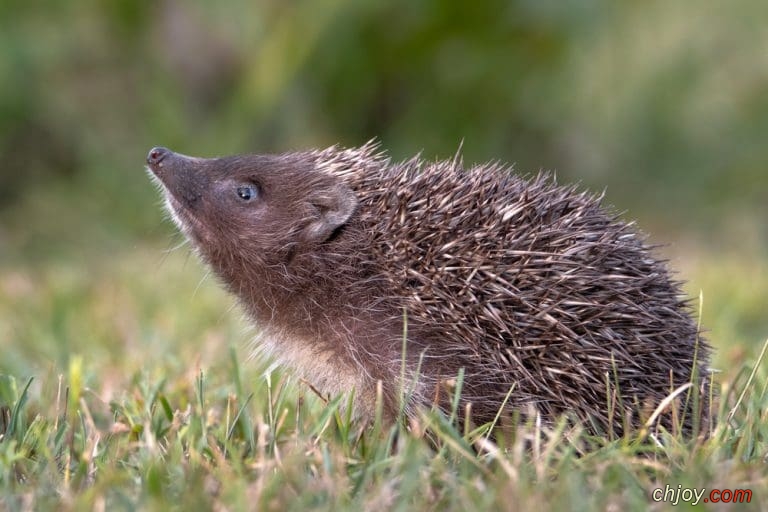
(524, 284)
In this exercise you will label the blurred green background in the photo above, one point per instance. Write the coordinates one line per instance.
(665, 103)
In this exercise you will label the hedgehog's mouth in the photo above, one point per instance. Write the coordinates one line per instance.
(182, 217)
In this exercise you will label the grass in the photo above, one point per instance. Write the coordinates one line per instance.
(125, 384)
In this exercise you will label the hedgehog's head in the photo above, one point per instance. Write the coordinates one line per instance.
(251, 207)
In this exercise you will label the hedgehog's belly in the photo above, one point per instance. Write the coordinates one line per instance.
(320, 367)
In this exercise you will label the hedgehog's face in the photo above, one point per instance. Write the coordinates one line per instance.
(251, 207)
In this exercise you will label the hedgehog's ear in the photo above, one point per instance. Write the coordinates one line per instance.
(334, 206)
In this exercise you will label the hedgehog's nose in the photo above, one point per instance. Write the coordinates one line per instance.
(157, 154)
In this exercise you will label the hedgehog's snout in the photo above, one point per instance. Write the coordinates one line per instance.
(156, 155)
(183, 177)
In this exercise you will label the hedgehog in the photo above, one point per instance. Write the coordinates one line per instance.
(410, 283)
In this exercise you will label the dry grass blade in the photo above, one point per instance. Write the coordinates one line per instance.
(748, 383)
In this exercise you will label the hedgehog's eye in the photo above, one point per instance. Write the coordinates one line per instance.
(246, 192)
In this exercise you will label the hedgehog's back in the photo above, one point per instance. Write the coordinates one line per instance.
(535, 283)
